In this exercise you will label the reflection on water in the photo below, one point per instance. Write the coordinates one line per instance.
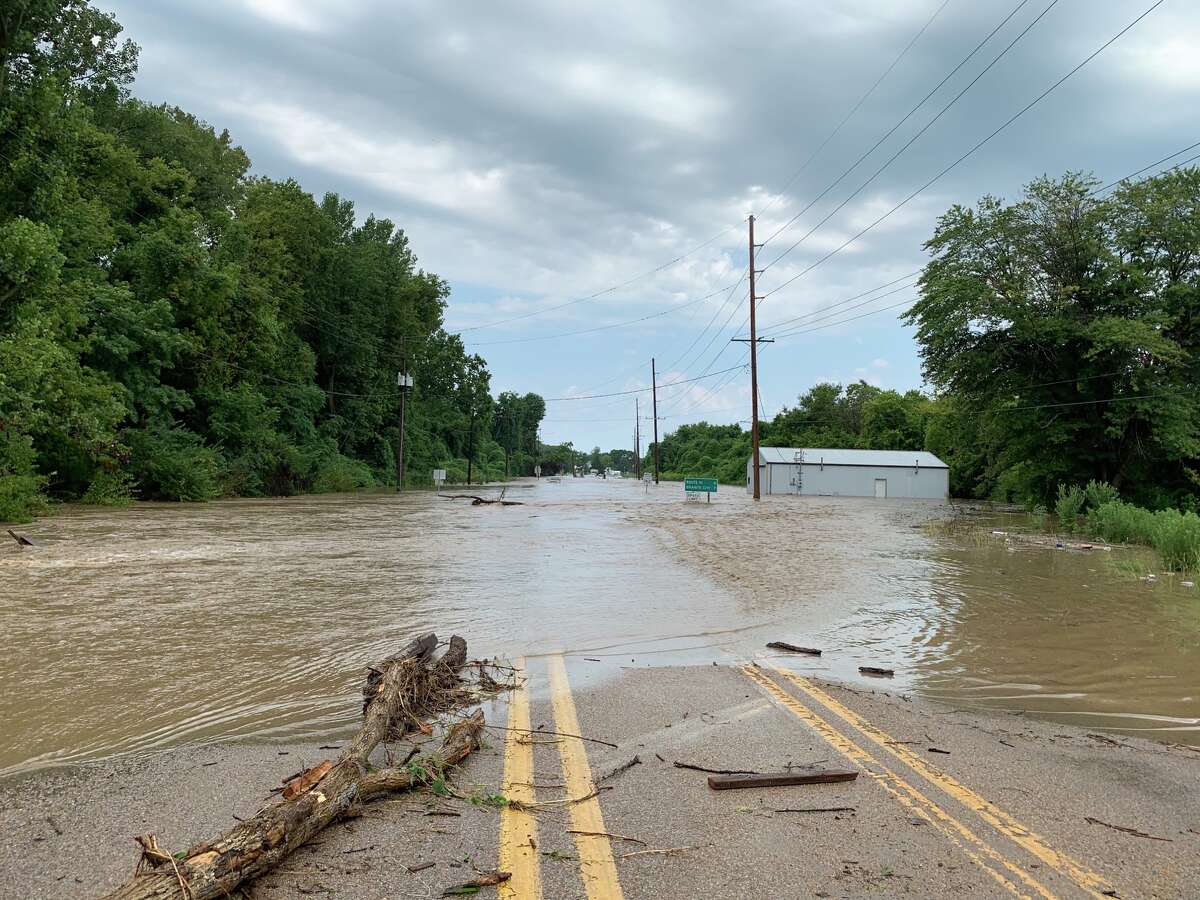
(143, 628)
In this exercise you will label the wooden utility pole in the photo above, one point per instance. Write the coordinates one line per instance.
(471, 444)
(754, 341)
(654, 389)
(404, 382)
(637, 438)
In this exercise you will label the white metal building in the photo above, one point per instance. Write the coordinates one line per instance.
(850, 473)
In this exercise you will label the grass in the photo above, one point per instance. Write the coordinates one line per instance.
(1175, 535)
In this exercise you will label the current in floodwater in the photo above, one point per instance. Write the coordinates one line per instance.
(161, 624)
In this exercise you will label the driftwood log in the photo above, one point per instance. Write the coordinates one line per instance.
(397, 691)
(476, 500)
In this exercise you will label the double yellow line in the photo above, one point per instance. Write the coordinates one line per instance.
(1005, 871)
(518, 828)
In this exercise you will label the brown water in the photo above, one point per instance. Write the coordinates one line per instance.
(145, 628)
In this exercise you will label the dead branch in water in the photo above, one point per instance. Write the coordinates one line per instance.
(476, 500)
(399, 694)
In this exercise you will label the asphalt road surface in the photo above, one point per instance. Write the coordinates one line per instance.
(947, 803)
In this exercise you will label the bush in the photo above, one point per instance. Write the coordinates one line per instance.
(172, 463)
(20, 486)
(1177, 539)
(1122, 523)
(1097, 493)
(340, 474)
(1069, 506)
(109, 489)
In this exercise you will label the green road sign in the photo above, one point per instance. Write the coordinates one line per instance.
(700, 485)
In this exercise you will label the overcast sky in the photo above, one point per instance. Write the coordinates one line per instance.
(538, 153)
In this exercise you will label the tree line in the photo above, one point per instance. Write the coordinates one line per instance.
(1059, 334)
(174, 327)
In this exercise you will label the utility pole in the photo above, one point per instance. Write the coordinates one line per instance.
(404, 382)
(637, 438)
(754, 342)
(471, 444)
(654, 389)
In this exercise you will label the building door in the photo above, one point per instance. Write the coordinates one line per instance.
(881, 487)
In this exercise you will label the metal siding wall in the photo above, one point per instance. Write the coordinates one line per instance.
(859, 481)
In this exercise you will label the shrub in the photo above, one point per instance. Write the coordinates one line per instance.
(1097, 493)
(109, 489)
(172, 463)
(20, 485)
(340, 474)
(1069, 506)
(1177, 539)
(1122, 523)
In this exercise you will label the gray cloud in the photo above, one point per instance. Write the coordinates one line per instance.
(541, 151)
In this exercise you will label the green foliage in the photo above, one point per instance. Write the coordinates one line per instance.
(1059, 332)
(172, 463)
(189, 331)
(109, 489)
(1069, 506)
(1174, 534)
(1097, 493)
(20, 495)
(341, 474)
(1177, 539)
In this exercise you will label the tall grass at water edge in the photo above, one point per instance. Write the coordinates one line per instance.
(1095, 510)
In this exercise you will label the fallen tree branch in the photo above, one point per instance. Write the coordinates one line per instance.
(608, 834)
(683, 765)
(1122, 828)
(398, 694)
(664, 852)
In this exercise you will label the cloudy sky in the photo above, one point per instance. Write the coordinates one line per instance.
(574, 166)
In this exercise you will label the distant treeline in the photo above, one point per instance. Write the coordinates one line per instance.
(1060, 336)
(172, 327)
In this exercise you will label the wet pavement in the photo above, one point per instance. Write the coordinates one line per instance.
(947, 803)
(164, 625)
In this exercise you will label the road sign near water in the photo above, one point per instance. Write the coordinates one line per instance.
(700, 485)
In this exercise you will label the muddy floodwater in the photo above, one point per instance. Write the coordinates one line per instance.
(140, 629)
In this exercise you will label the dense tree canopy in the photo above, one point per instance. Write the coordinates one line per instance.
(1062, 332)
(173, 327)
(1061, 336)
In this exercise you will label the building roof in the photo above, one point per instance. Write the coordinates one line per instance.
(837, 457)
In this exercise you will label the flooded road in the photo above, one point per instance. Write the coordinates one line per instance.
(161, 624)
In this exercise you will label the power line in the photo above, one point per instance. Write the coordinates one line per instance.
(548, 337)
(601, 293)
(1159, 162)
(831, 306)
(861, 100)
(912, 140)
(973, 149)
(894, 128)
(907, 302)
(639, 390)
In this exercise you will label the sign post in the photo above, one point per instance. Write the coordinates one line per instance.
(697, 486)
(439, 476)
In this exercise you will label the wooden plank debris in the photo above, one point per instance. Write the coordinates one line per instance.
(781, 779)
(784, 645)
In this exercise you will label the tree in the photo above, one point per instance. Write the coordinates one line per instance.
(1066, 323)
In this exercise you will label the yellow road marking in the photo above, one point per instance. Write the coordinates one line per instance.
(1090, 881)
(953, 830)
(518, 828)
(596, 865)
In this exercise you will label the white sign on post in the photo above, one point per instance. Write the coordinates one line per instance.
(439, 476)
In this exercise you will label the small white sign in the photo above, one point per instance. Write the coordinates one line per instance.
(537, 471)
(439, 475)
(647, 478)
